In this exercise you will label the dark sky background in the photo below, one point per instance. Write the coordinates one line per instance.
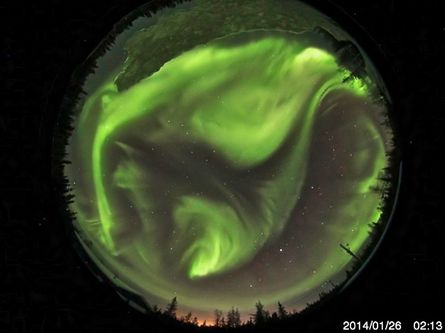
(46, 287)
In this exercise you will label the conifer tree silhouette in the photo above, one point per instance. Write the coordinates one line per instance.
(172, 307)
(282, 313)
(187, 318)
(233, 318)
(261, 315)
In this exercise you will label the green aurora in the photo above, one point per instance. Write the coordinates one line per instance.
(198, 180)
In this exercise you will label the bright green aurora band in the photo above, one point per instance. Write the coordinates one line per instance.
(230, 175)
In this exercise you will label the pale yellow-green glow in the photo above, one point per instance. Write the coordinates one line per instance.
(245, 106)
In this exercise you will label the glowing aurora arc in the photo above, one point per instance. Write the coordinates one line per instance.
(191, 173)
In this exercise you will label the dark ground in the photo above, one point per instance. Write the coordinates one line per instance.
(45, 287)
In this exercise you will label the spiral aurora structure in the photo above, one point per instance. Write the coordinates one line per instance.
(231, 174)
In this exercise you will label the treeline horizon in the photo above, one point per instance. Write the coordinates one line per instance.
(230, 319)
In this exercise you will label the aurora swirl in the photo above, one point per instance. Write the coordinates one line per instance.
(207, 175)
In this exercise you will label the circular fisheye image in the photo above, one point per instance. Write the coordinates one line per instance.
(228, 156)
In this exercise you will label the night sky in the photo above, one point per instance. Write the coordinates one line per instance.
(47, 283)
(228, 169)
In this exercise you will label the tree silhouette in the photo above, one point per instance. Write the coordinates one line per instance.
(261, 315)
(282, 313)
(187, 318)
(350, 252)
(219, 319)
(171, 308)
(233, 318)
